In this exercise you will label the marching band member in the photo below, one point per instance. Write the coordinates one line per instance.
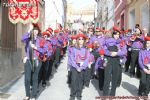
(98, 41)
(79, 59)
(99, 37)
(99, 67)
(51, 58)
(58, 44)
(65, 42)
(144, 62)
(45, 63)
(90, 32)
(123, 47)
(113, 54)
(34, 50)
(88, 74)
(72, 45)
(137, 44)
(128, 43)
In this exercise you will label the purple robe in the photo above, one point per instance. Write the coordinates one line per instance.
(144, 58)
(99, 63)
(138, 43)
(40, 50)
(122, 48)
(79, 56)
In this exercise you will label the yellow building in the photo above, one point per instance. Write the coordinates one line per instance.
(138, 13)
(84, 14)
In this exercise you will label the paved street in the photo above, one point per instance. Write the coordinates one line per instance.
(58, 90)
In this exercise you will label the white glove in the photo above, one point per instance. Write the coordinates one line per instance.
(81, 63)
(95, 73)
(105, 64)
(33, 46)
(90, 49)
(48, 38)
(68, 69)
(89, 66)
(121, 61)
(79, 70)
(30, 27)
(148, 65)
(129, 49)
(25, 60)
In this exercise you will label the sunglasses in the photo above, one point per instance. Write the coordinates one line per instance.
(81, 39)
(98, 31)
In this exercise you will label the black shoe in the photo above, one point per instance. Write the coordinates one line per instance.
(144, 94)
(43, 85)
(93, 77)
(101, 89)
(72, 98)
(131, 75)
(78, 98)
(118, 85)
(56, 66)
(126, 70)
(48, 83)
(138, 76)
(87, 84)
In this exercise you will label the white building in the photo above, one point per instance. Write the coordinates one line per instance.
(54, 13)
(110, 20)
(104, 13)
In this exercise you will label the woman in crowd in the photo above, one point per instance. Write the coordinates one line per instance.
(144, 62)
(34, 49)
(113, 54)
(72, 45)
(79, 61)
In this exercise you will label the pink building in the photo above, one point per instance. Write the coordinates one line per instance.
(120, 13)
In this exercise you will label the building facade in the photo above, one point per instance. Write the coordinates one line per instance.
(11, 48)
(105, 13)
(84, 15)
(101, 11)
(120, 12)
(138, 13)
(55, 13)
(110, 14)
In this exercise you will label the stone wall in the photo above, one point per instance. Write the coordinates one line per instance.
(10, 66)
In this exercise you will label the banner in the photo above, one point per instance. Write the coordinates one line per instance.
(23, 11)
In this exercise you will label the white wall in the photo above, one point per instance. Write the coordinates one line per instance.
(145, 16)
(110, 5)
(54, 10)
(132, 19)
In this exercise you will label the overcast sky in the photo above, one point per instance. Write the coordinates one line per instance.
(52, 13)
(81, 3)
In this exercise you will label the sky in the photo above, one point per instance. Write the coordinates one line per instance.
(52, 14)
(77, 4)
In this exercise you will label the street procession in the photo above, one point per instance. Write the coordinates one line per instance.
(96, 53)
(75, 50)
